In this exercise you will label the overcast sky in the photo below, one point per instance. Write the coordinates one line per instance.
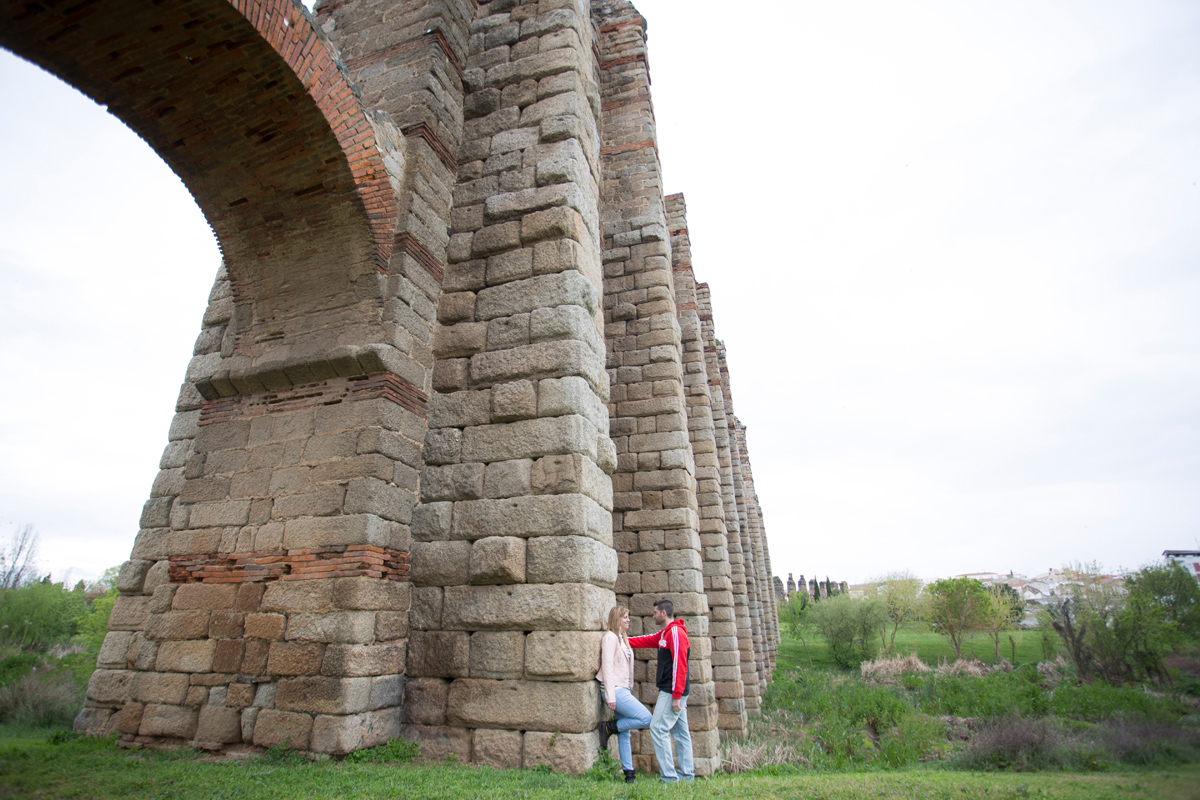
(954, 250)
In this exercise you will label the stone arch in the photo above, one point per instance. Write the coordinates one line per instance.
(250, 108)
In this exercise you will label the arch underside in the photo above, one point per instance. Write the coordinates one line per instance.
(228, 113)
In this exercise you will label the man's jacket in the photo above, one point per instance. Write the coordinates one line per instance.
(672, 643)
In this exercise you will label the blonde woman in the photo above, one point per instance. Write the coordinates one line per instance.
(616, 675)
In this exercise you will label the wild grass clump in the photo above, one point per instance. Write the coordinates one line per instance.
(1017, 743)
(42, 698)
(749, 755)
(890, 670)
(973, 668)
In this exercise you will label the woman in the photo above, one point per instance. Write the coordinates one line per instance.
(616, 675)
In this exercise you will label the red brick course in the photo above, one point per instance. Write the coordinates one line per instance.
(336, 561)
(325, 393)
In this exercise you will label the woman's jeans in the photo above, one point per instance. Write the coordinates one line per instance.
(631, 714)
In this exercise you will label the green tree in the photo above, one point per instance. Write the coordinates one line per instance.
(1003, 610)
(1175, 591)
(39, 614)
(794, 615)
(902, 599)
(844, 621)
(1116, 633)
(956, 607)
(93, 625)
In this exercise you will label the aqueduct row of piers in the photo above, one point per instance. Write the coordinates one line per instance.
(457, 390)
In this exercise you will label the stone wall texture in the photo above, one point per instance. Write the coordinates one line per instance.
(456, 393)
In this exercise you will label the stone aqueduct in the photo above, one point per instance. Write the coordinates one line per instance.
(457, 390)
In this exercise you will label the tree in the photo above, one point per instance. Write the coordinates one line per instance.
(39, 614)
(18, 562)
(794, 614)
(902, 600)
(844, 621)
(956, 607)
(1113, 633)
(1003, 610)
(1176, 592)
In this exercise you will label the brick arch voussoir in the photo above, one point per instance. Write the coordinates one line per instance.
(248, 105)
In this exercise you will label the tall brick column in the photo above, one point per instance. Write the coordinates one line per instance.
(513, 556)
(656, 520)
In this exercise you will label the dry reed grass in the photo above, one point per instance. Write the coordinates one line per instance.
(889, 670)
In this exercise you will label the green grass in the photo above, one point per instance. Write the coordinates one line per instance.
(929, 646)
(838, 712)
(31, 766)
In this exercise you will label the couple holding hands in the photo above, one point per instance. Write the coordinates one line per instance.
(669, 720)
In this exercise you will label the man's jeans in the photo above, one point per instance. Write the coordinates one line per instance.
(631, 714)
(665, 725)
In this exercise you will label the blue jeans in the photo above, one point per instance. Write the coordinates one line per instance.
(631, 714)
(668, 724)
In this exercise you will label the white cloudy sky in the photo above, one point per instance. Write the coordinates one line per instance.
(954, 252)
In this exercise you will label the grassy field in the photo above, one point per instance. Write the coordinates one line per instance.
(830, 703)
(917, 637)
(33, 767)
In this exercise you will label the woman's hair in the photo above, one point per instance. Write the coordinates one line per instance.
(615, 616)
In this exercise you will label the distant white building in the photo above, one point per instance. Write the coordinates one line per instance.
(1188, 559)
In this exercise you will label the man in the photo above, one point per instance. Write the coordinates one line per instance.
(671, 677)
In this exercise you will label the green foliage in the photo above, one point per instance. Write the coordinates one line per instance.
(902, 600)
(93, 625)
(995, 694)
(1004, 608)
(794, 613)
(395, 751)
(606, 769)
(916, 738)
(956, 607)
(39, 614)
(849, 626)
(1100, 701)
(1124, 635)
(17, 666)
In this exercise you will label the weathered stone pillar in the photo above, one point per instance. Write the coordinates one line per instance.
(740, 561)
(718, 580)
(266, 600)
(513, 558)
(656, 521)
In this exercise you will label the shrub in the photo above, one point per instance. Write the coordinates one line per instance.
(1016, 743)
(39, 614)
(1146, 743)
(93, 625)
(844, 622)
(43, 698)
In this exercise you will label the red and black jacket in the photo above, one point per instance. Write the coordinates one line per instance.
(672, 643)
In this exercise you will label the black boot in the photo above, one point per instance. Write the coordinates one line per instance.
(630, 775)
(607, 728)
